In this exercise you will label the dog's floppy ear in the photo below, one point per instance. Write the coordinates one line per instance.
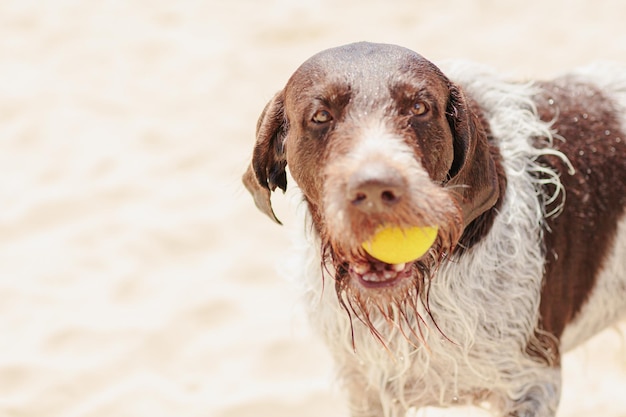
(473, 176)
(267, 169)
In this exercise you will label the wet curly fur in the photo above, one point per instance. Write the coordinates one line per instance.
(466, 323)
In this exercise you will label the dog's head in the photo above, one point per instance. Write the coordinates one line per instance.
(377, 135)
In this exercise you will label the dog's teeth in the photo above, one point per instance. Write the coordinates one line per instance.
(389, 274)
(360, 268)
(370, 277)
(398, 267)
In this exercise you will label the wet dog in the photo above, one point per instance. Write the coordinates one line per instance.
(526, 183)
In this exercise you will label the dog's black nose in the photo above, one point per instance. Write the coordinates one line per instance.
(375, 188)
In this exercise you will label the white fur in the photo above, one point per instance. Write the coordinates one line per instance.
(486, 303)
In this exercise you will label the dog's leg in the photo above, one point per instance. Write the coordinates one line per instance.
(540, 399)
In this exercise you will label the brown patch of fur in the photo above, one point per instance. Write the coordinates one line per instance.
(577, 240)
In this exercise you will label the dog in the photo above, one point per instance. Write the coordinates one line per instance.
(527, 185)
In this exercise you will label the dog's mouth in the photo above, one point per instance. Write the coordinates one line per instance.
(370, 291)
(373, 274)
(386, 297)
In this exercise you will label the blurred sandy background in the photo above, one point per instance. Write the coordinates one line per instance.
(136, 276)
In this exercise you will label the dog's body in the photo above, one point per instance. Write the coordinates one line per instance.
(527, 183)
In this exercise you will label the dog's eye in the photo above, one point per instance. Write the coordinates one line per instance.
(419, 108)
(322, 116)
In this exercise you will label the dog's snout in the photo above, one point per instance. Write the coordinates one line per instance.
(376, 189)
(374, 193)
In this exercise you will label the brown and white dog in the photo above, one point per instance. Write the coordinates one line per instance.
(527, 184)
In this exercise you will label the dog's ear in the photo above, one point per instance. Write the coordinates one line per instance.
(267, 169)
(473, 176)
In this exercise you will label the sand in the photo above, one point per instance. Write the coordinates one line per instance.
(136, 277)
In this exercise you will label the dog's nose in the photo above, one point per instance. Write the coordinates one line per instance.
(375, 189)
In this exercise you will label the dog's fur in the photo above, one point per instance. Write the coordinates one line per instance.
(527, 184)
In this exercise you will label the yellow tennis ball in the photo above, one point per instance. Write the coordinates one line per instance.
(394, 245)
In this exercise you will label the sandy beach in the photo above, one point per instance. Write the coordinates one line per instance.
(136, 276)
